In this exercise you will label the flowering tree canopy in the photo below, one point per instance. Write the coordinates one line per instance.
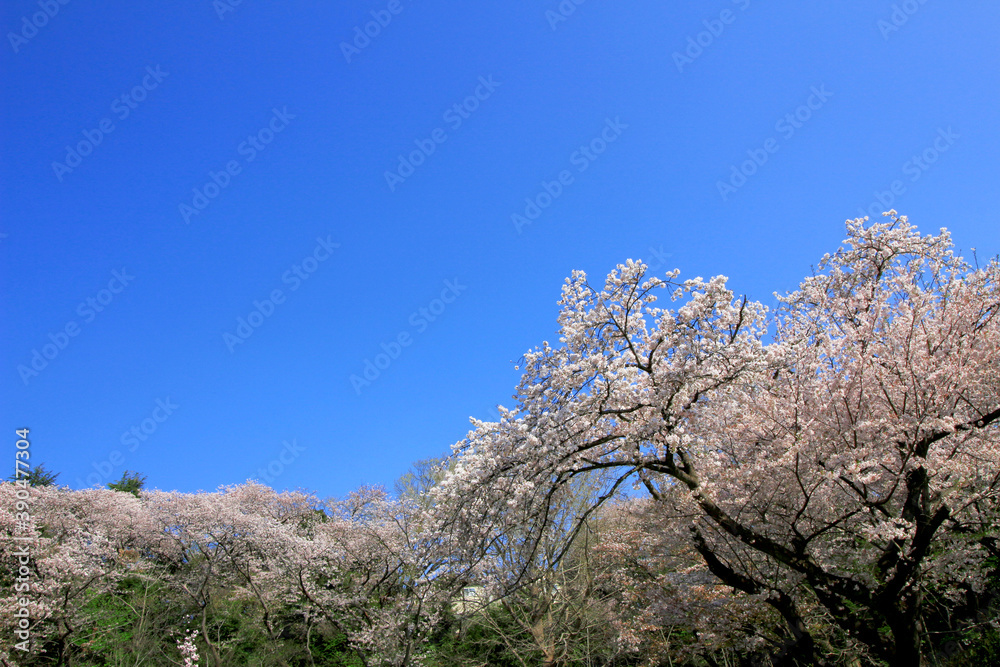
(838, 455)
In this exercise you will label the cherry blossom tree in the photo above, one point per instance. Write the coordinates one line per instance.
(188, 650)
(225, 544)
(371, 571)
(668, 607)
(549, 610)
(254, 565)
(81, 543)
(837, 457)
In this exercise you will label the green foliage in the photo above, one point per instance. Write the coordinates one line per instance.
(140, 621)
(130, 482)
(37, 476)
(331, 649)
(475, 641)
(977, 647)
(984, 650)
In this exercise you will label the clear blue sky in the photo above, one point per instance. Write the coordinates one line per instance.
(308, 129)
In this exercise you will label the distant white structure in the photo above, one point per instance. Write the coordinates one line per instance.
(471, 599)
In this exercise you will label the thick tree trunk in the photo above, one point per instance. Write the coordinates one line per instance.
(906, 639)
(800, 650)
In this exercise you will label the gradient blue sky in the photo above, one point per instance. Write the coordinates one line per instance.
(893, 93)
